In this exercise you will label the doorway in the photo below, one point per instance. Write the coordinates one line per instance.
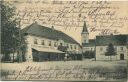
(121, 56)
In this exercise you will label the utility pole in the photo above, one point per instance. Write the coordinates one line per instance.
(82, 52)
(95, 48)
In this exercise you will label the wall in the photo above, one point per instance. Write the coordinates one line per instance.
(85, 37)
(91, 48)
(30, 44)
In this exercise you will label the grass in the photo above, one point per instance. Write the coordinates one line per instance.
(96, 70)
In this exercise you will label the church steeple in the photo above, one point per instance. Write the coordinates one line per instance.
(85, 34)
(85, 28)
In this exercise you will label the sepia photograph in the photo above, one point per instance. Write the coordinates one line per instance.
(64, 40)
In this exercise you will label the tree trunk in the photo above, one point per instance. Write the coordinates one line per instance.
(20, 56)
(13, 57)
(116, 57)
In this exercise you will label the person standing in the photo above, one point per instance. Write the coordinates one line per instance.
(66, 56)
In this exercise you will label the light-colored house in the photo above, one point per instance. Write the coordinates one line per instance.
(120, 45)
(43, 43)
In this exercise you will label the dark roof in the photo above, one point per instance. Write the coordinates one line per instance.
(50, 33)
(91, 43)
(85, 28)
(114, 39)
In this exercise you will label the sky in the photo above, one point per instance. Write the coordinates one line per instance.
(101, 17)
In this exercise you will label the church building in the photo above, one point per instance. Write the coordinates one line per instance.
(87, 44)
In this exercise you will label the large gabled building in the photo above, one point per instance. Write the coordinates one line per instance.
(44, 43)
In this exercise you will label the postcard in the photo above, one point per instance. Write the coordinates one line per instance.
(64, 40)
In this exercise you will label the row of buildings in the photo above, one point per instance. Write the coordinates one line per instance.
(100, 44)
(44, 43)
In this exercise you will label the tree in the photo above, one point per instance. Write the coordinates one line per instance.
(110, 51)
(9, 30)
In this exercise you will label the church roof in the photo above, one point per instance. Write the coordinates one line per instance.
(85, 28)
(114, 39)
(46, 32)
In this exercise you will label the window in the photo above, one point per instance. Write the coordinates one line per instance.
(35, 41)
(67, 46)
(75, 47)
(121, 48)
(71, 46)
(91, 49)
(50, 43)
(115, 48)
(43, 43)
(101, 49)
(55, 44)
(85, 41)
(61, 44)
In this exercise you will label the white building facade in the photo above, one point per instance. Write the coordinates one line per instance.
(120, 46)
(38, 38)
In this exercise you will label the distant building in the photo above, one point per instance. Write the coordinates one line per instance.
(100, 44)
(119, 42)
(87, 44)
(44, 43)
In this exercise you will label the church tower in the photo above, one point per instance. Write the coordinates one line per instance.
(85, 34)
